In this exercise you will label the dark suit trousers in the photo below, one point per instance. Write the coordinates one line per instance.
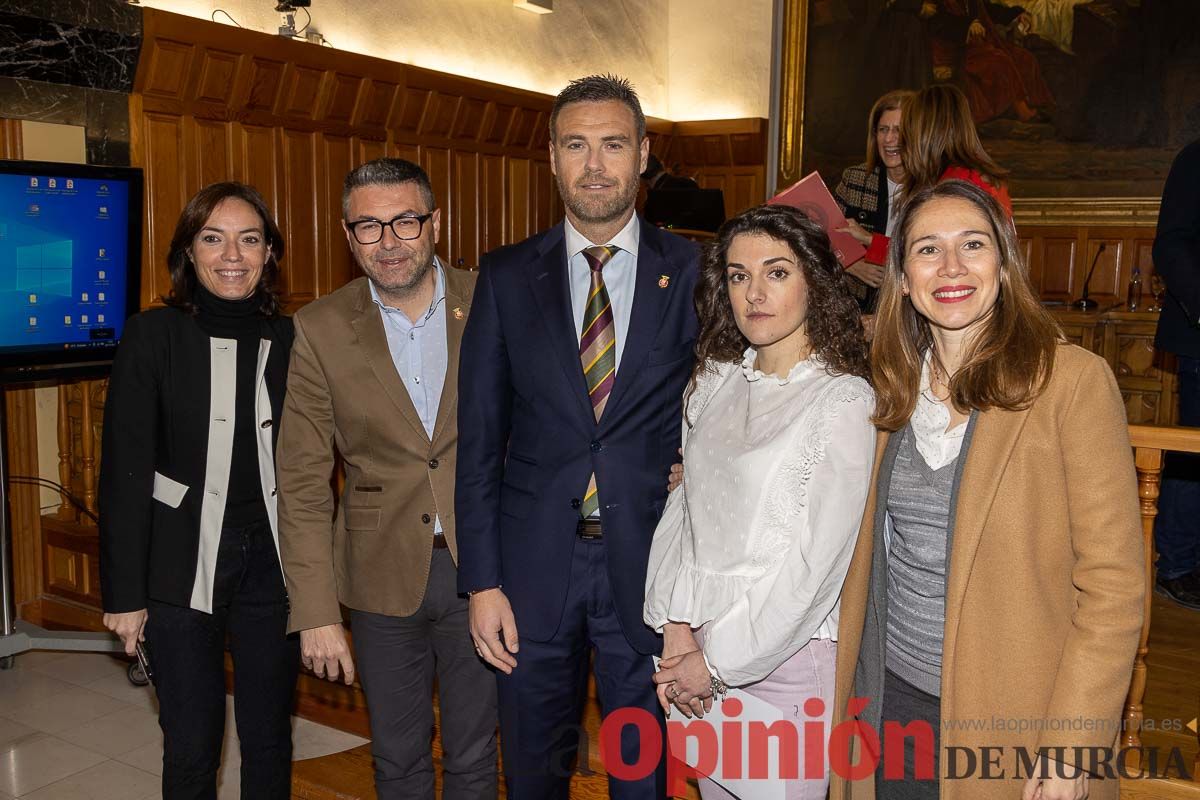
(187, 656)
(1176, 530)
(541, 703)
(397, 659)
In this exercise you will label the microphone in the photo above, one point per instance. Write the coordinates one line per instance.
(1085, 303)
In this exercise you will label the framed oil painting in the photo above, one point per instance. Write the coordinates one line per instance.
(1076, 98)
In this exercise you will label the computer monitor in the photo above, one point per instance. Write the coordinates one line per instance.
(70, 265)
(695, 209)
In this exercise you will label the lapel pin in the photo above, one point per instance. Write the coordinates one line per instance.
(664, 281)
(458, 313)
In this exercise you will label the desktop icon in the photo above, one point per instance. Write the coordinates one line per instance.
(99, 297)
(33, 183)
(83, 319)
(104, 211)
(67, 319)
(33, 322)
(52, 183)
(70, 183)
(83, 297)
(100, 318)
(33, 299)
(101, 253)
(100, 273)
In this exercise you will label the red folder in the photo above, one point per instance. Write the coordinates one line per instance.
(812, 197)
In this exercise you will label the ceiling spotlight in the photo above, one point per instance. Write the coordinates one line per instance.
(536, 6)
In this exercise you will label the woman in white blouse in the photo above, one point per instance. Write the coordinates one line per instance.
(748, 560)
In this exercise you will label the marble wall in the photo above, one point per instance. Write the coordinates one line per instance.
(72, 62)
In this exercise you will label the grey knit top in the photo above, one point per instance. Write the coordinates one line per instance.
(919, 506)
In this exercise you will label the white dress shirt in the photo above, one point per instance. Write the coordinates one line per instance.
(620, 277)
(756, 542)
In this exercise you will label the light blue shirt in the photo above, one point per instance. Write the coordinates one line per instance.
(420, 353)
(620, 277)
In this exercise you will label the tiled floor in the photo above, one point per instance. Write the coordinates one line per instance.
(72, 727)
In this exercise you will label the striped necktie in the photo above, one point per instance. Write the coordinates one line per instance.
(597, 351)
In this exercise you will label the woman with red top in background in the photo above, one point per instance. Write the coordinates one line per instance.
(940, 143)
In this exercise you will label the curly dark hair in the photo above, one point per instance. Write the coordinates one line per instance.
(834, 324)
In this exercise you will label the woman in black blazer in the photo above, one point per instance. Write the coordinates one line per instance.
(188, 537)
(868, 192)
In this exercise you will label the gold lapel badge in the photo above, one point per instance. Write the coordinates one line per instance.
(664, 281)
(458, 313)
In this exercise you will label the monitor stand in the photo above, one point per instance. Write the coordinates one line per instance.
(18, 636)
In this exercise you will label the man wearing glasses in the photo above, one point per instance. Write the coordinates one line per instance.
(374, 374)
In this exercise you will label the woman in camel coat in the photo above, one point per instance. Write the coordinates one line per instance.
(1019, 633)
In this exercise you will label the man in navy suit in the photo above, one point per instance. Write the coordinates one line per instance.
(574, 362)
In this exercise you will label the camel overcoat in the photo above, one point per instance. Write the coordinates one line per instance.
(1045, 589)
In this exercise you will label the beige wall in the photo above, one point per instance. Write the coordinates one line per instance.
(719, 59)
(679, 55)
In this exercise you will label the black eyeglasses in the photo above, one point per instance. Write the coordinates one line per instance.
(405, 226)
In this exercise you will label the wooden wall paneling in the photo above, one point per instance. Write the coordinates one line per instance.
(217, 80)
(407, 151)
(466, 206)
(1054, 257)
(213, 150)
(437, 161)
(266, 80)
(344, 99)
(1107, 283)
(520, 216)
(304, 206)
(338, 155)
(10, 138)
(165, 68)
(545, 200)
(496, 127)
(491, 194)
(166, 192)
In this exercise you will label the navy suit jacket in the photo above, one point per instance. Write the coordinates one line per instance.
(528, 439)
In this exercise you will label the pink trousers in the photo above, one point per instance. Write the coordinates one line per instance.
(808, 674)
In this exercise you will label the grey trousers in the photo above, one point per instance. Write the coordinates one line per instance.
(397, 659)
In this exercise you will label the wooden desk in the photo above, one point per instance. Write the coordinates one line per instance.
(1126, 341)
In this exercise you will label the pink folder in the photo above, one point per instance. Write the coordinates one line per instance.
(812, 197)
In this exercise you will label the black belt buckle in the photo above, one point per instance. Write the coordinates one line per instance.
(589, 530)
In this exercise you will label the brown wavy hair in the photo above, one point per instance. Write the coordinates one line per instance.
(940, 133)
(892, 101)
(193, 218)
(1005, 364)
(834, 324)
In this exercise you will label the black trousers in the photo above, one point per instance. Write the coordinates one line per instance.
(397, 660)
(904, 704)
(187, 655)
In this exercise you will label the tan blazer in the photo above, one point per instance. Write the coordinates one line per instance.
(1046, 582)
(344, 394)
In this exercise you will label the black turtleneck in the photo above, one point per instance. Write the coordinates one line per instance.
(240, 320)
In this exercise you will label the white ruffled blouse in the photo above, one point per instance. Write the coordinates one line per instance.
(756, 542)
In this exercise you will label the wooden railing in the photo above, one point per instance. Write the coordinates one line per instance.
(1149, 446)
